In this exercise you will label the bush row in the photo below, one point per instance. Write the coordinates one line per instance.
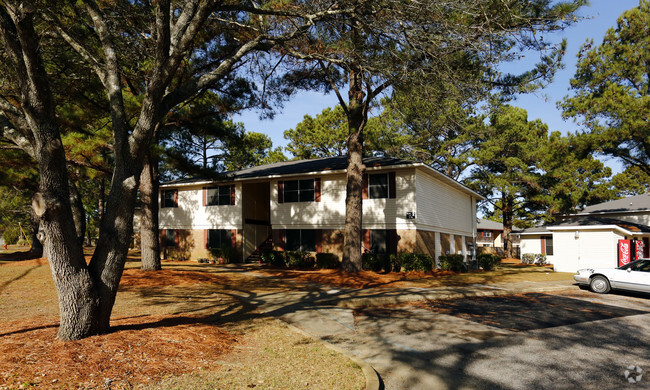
(533, 258)
(397, 263)
(377, 262)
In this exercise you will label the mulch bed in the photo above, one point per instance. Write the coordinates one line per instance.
(140, 349)
(363, 279)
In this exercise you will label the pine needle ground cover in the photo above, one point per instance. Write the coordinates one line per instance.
(179, 328)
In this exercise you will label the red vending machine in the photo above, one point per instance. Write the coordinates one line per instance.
(639, 249)
(624, 252)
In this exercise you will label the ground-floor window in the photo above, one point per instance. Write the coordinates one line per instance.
(219, 238)
(170, 237)
(548, 245)
(300, 240)
(379, 241)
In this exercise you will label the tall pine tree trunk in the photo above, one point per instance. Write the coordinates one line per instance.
(353, 199)
(150, 247)
(508, 203)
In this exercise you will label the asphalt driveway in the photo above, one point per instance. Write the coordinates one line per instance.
(567, 339)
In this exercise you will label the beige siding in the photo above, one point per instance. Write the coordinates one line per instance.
(443, 208)
(531, 244)
(329, 213)
(391, 213)
(592, 249)
(191, 214)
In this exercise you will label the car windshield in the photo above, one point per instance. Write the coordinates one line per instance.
(639, 265)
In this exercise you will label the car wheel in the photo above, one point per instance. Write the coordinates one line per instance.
(599, 284)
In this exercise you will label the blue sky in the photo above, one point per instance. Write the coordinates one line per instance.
(599, 16)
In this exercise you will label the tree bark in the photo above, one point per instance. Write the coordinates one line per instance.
(150, 247)
(78, 302)
(78, 212)
(507, 224)
(37, 245)
(352, 258)
(101, 199)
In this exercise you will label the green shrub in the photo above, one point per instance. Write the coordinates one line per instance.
(540, 259)
(11, 235)
(369, 262)
(299, 259)
(488, 261)
(228, 254)
(451, 262)
(528, 258)
(395, 263)
(416, 262)
(275, 258)
(327, 261)
(533, 258)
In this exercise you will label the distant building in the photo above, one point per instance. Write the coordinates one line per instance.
(489, 234)
(590, 238)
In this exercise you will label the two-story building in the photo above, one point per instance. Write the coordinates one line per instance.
(300, 205)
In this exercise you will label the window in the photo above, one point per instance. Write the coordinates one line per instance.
(548, 245)
(487, 234)
(170, 198)
(299, 190)
(379, 241)
(219, 238)
(378, 186)
(218, 196)
(170, 238)
(300, 240)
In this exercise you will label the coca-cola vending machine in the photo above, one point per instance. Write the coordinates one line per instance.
(639, 249)
(625, 253)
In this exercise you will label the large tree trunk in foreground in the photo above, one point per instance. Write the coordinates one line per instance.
(78, 301)
(78, 212)
(150, 247)
(37, 245)
(353, 198)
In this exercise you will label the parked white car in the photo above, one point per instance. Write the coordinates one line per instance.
(634, 276)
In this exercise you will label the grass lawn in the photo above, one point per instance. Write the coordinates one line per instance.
(180, 328)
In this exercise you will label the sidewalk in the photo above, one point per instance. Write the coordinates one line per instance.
(328, 314)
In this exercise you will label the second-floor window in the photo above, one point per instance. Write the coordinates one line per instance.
(378, 186)
(169, 198)
(299, 190)
(487, 234)
(218, 196)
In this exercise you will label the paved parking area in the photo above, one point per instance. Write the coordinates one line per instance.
(568, 339)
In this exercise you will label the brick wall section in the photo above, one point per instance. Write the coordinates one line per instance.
(426, 243)
(406, 241)
(445, 243)
(333, 242)
(458, 244)
(191, 246)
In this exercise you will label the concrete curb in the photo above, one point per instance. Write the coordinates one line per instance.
(372, 377)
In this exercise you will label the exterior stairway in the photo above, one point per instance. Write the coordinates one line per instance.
(256, 256)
